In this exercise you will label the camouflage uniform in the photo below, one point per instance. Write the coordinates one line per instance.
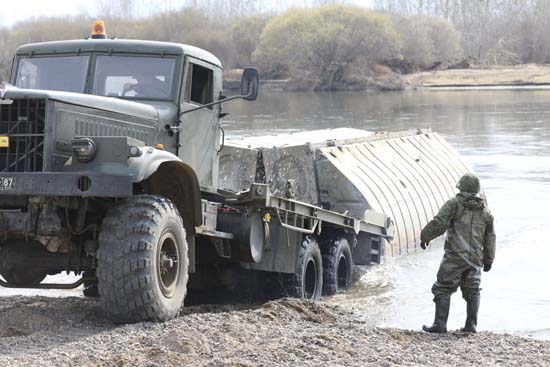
(469, 246)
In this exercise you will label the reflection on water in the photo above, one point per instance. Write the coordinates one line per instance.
(505, 137)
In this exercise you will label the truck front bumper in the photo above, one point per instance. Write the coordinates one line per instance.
(65, 184)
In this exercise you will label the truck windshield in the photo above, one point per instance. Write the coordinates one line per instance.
(138, 77)
(63, 73)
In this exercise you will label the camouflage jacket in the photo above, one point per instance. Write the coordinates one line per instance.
(469, 226)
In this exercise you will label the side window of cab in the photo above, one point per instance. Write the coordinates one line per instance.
(200, 84)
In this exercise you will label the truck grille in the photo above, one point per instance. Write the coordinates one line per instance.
(23, 122)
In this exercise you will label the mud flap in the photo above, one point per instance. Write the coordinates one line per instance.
(376, 250)
(361, 251)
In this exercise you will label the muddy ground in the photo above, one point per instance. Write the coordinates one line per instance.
(39, 331)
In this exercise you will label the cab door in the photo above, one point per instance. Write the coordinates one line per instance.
(199, 130)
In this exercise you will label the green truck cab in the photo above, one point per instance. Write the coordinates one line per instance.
(109, 159)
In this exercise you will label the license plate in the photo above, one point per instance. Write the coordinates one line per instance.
(4, 141)
(7, 183)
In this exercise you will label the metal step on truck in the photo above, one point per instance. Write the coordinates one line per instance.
(110, 167)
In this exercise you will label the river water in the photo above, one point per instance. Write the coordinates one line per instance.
(505, 137)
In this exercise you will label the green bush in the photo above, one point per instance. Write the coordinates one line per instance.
(427, 40)
(316, 45)
(245, 35)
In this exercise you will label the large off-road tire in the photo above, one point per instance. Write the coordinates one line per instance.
(142, 260)
(307, 281)
(23, 278)
(337, 265)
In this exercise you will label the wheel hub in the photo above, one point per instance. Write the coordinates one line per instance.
(168, 264)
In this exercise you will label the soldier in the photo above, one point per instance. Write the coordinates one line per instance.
(469, 247)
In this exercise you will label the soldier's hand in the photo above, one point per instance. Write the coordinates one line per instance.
(423, 244)
(487, 267)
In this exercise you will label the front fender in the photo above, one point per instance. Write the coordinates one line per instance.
(142, 167)
(164, 173)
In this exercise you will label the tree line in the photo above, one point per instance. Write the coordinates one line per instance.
(324, 44)
(498, 32)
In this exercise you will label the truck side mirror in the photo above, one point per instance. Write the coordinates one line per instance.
(249, 84)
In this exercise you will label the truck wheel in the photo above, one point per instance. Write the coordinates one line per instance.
(90, 288)
(307, 281)
(26, 278)
(337, 265)
(142, 260)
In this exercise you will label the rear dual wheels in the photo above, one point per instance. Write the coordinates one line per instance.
(142, 260)
(324, 270)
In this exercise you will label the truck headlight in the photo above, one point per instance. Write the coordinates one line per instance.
(84, 149)
(134, 151)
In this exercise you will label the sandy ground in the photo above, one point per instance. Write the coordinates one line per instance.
(528, 74)
(39, 331)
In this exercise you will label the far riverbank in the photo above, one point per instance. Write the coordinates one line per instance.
(526, 75)
(519, 76)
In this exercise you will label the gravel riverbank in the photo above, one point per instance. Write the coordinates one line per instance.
(39, 331)
(504, 76)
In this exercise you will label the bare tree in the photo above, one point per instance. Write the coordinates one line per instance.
(117, 8)
(495, 27)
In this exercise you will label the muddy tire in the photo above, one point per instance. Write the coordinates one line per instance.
(337, 265)
(307, 281)
(90, 288)
(23, 278)
(142, 261)
(90, 291)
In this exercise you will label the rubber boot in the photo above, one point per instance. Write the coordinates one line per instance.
(472, 307)
(442, 305)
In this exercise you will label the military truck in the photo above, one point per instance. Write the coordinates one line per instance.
(109, 165)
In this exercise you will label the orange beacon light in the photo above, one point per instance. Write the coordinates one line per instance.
(98, 30)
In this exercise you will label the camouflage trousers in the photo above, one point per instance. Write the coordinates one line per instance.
(455, 272)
